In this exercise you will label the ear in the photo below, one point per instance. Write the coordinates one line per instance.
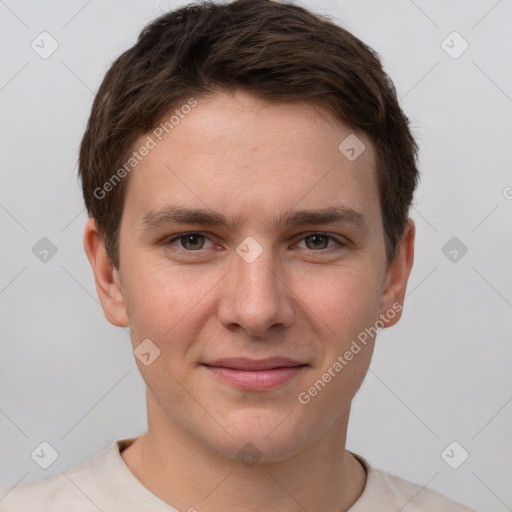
(395, 283)
(106, 276)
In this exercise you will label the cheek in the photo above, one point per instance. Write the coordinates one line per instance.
(344, 300)
(164, 302)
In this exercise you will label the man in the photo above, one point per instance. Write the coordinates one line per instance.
(248, 173)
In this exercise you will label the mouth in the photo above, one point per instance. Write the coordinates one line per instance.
(255, 375)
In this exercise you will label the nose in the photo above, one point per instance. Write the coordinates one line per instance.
(256, 296)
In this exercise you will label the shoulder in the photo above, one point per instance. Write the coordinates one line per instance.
(52, 494)
(414, 497)
(386, 491)
(72, 489)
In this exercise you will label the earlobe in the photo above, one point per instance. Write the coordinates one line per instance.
(397, 276)
(106, 276)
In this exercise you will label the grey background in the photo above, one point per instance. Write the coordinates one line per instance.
(442, 374)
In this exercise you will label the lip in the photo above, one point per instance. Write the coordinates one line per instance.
(242, 363)
(255, 375)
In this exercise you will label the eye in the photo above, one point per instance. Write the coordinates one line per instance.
(195, 241)
(189, 241)
(315, 241)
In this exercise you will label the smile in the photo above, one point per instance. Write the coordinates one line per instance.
(255, 375)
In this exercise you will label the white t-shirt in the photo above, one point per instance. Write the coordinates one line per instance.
(105, 483)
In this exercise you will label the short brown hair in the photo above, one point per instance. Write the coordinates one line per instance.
(277, 51)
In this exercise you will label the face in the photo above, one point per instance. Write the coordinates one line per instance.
(248, 235)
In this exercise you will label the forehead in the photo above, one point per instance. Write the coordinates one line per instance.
(247, 157)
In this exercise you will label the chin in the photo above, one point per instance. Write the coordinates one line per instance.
(267, 436)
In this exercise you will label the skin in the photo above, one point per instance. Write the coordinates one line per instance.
(250, 160)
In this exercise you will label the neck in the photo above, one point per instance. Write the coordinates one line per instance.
(188, 475)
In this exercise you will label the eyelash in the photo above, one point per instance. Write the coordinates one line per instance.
(190, 233)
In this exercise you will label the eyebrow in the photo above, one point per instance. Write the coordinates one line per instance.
(173, 214)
